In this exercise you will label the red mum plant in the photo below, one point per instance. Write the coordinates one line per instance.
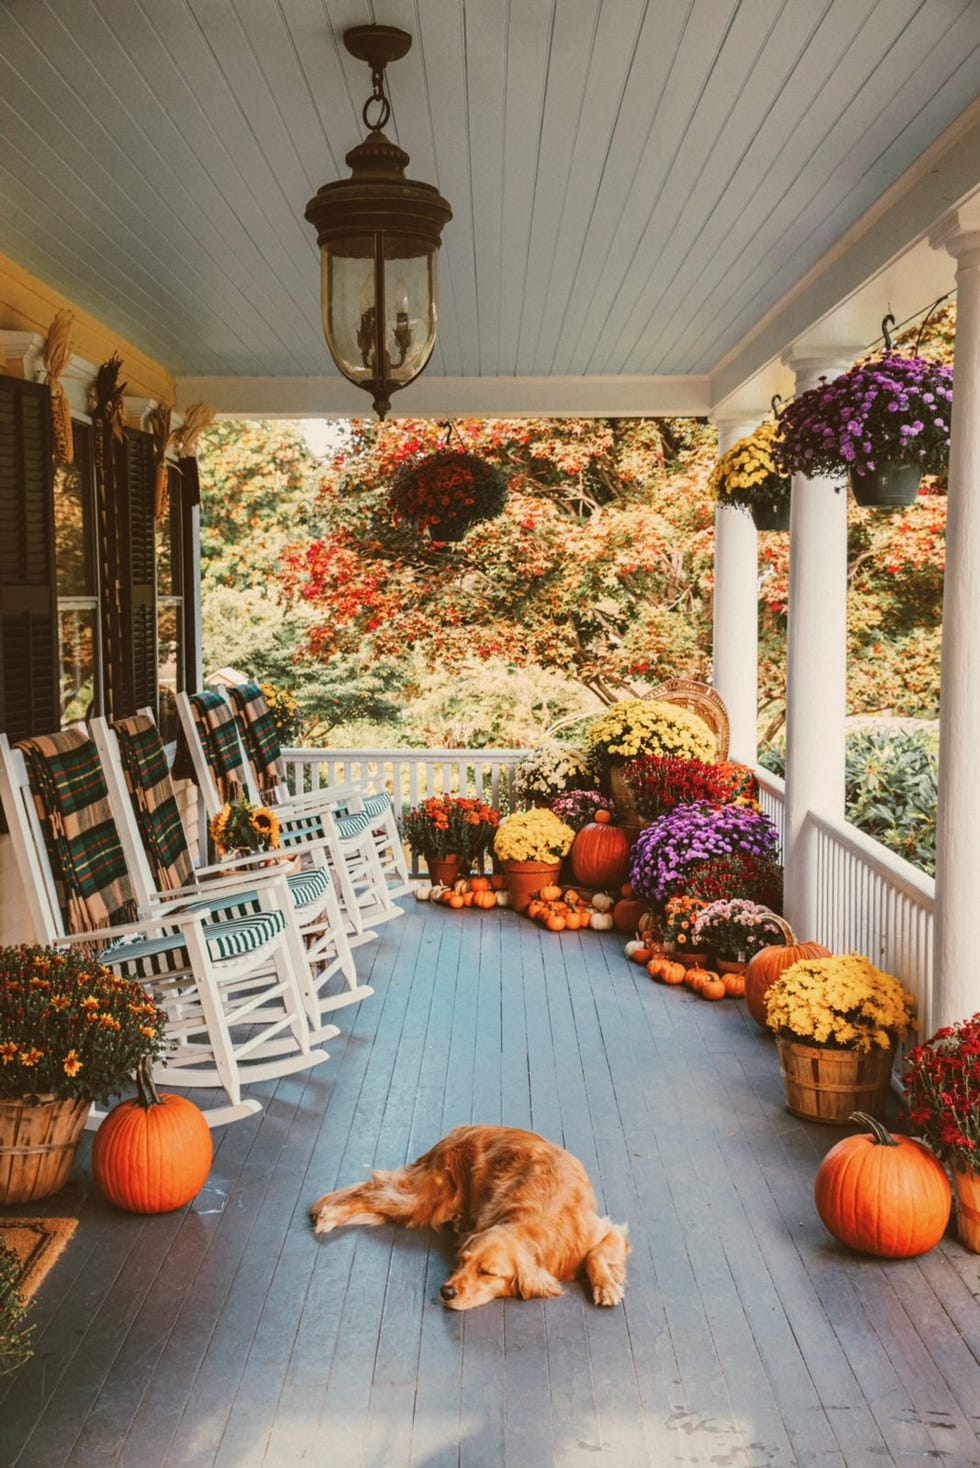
(658, 783)
(738, 874)
(942, 1088)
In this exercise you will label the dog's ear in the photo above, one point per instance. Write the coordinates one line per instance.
(531, 1280)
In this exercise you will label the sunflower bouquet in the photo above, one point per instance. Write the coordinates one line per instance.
(242, 826)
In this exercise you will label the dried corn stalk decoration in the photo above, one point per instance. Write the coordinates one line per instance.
(163, 437)
(197, 418)
(57, 353)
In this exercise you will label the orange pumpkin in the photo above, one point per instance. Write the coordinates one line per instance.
(600, 855)
(734, 985)
(153, 1153)
(697, 977)
(602, 816)
(573, 921)
(555, 923)
(534, 908)
(765, 967)
(485, 899)
(627, 914)
(550, 893)
(672, 973)
(498, 882)
(881, 1194)
(479, 884)
(712, 987)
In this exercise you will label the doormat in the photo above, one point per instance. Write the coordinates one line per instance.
(37, 1243)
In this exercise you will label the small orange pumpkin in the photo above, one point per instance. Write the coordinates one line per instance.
(550, 892)
(153, 1153)
(485, 899)
(734, 984)
(712, 987)
(602, 816)
(555, 923)
(479, 884)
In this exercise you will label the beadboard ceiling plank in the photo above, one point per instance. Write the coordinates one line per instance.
(822, 201)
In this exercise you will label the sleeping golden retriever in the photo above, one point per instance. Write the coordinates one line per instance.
(526, 1208)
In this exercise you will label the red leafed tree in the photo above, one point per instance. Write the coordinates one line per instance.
(599, 566)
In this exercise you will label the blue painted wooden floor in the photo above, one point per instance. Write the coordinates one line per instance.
(225, 1336)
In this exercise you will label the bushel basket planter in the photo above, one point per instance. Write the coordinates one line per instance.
(38, 1144)
(826, 1085)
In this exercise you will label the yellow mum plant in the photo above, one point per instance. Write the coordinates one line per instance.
(645, 726)
(840, 1003)
(747, 477)
(533, 835)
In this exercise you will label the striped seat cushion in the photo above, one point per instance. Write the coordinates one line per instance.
(308, 887)
(377, 805)
(144, 958)
(355, 823)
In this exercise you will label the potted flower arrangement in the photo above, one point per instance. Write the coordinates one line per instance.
(942, 1089)
(883, 423)
(530, 845)
(680, 915)
(666, 853)
(551, 770)
(735, 929)
(447, 492)
(657, 783)
(71, 1032)
(837, 1023)
(747, 477)
(243, 827)
(451, 832)
(577, 808)
(639, 726)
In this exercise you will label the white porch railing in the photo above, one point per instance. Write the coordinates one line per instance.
(869, 900)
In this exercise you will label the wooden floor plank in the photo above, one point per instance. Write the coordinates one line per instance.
(226, 1336)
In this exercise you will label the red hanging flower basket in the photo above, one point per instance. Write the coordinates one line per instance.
(447, 492)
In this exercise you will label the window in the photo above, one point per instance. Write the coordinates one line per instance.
(77, 581)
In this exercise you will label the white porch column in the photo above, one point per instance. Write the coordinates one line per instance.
(816, 661)
(956, 990)
(735, 636)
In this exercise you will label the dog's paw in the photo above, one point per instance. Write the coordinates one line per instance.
(608, 1291)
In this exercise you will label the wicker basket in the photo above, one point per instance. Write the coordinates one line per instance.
(700, 699)
(38, 1146)
(827, 1085)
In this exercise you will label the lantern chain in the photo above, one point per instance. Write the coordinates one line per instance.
(380, 96)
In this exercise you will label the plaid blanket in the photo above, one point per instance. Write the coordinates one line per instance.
(259, 736)
(218, 732)
(72, 803)
(144, 762)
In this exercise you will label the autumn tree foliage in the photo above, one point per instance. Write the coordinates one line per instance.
(599, 567)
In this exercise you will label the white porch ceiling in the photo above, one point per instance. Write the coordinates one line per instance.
(650, 197)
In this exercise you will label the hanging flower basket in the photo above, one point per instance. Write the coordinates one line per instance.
(748, 478)
(884, 412)
(889, 487)
(447, 492)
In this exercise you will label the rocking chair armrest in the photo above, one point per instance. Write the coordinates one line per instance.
(330, 797)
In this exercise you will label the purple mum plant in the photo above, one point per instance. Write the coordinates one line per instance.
(665, 853)
(891, 409)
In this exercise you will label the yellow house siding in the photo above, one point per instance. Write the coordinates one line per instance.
(28, 304)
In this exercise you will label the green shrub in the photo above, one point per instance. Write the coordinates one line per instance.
(891, 788)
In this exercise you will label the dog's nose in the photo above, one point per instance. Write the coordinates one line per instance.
(448, 1292)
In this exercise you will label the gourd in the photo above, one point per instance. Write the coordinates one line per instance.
(423, 891)
(501, 897)
(881, 1194)
(152, 1153)
(600, 855)
(602, 922)
(602, 902)
(765, 967)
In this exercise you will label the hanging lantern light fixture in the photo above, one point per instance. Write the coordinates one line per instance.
(379, 234)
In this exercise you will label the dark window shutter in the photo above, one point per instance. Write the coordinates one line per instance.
(141, 590)
(28, 605)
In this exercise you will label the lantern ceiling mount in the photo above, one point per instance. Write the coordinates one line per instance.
(379, 235)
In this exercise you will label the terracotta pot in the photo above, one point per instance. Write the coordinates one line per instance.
(966, 1186)
(444, 870)
(524, 878)
(730, 966)
(827, 1085)
(38, 1146)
